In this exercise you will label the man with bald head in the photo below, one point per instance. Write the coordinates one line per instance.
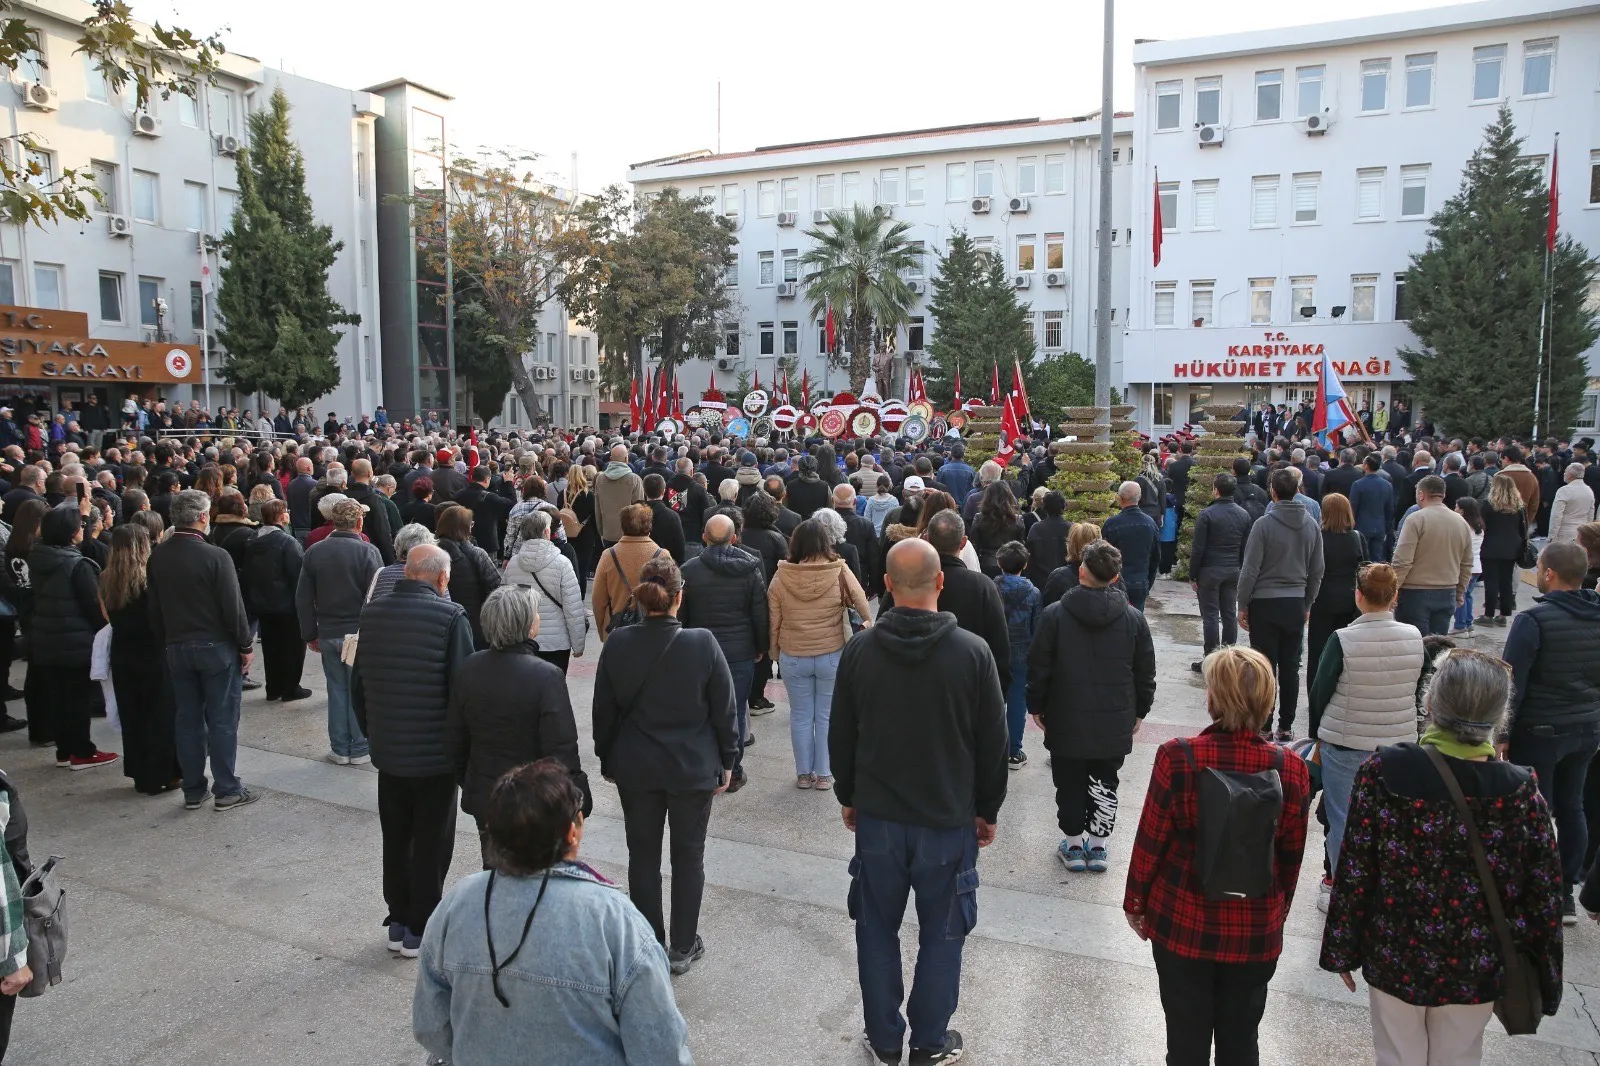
(918, 745)
(302, 516)
(617, 487)
(725, 591)
(1135, 535)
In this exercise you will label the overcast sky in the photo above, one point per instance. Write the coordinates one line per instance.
(623, 81)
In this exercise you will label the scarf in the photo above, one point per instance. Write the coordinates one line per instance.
(1449, 745)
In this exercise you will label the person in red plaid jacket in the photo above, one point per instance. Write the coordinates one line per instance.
(1214, 958)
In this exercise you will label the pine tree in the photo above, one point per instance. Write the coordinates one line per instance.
(977, 323)
(278, 317)
(1475, 294)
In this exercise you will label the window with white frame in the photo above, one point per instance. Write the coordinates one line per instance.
(1028, 175)
(1306, 190)
(105, 182)
(764, 268)
(730, 200)
(1055, 251)
(916, 184)
(1419, 79)
(791, 338)
(110, 296)
(827, 192)
(1163, 307)
(889, 186)
(1538, 66)
(1269, 95)
(1308, 91)
(366, 264)
(708, 197)
(31, 63)
(730, 340)
(1488, 72)
(915, 332)
(1169, 99)
(220, 103)
(1055, 174)
(41, 167)
(1167, 193)
(1363, 297)
(1208, 101)
(1302, 294)
(1264, 200)
(730, 272)
(1202, 303)
(1052, 329)
(149, 302)
(227, 204)
(983, 177)
(984, 245)
(1261, 301)
(1402, 312)
(1414, 191)
(194, 206)
(189, 105)
(791, 264)
(918, 269)
(1369, 193)
(955, 182)
(767, 335)
(8, 283)
(789, 194)
(766, 198)
(146, 196)
(47, 286)
(1205, 205)
(98, 88)
(1374, 86)
(1594, 177)
(850, 188)
(1033, 330)
(1027, 246)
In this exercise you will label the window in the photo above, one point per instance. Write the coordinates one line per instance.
(98, 89)
(1419, 80)
(889, 186)
(1369, 193)
(146, 196)
(1055, 174)
(984, 245)
(791, 264)
(31, 64)
(8, 283)
(1202, 302)
(1264, 201)
(955, 182)
(227, 203)
(188, 106)
(366, 264)
(1261, 301)
(1205, 205)
(197, 307)
(47, 286)
(149, 294)
(1402, 313)
(1208, 101)
(1055, 248)
(194, 206)
(1308, 91)
(918, 263)
(1052, 329)
(1538, 63)
(983, 177)
(1488, 64)
(1363, 297)
(764, 264)
(1028, 175)
(1375, 85)
(916, 179)
(791, 338)
(1305, 197)
(730, 340)
(1594, 177)
(105, 182)
(914, 334)
(766, 198)
(708, 196)
(110, 297)
(850, 188)
(764, 331)
(1269, 95)
(1414, 191)
(1161, 405)
(1302, 294)
(789, 194)
(827, 193)
(1026, 244)
(41, 167)
(220, 105)
(1168, 192)
(730, 200)
(361, 175)
(1169, 96)
(730, 273)
(1164, 308)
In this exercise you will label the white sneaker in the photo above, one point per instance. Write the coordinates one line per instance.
(1324, 896)
(337, 759)
(359, 760)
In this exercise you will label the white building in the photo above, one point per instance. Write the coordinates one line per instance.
(1028, 189)
(1298, 169)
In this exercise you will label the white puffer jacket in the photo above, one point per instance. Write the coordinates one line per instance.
(540, 565)
(1375, 704)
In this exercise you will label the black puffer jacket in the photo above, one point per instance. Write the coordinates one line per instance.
(808, 494)
(66, 606)
(725, 591)
(860, 535)
(1047, 548)
(1091, 673)
(1220, 530)
(772, 546)
(472, 577)
(1554, 651)
(271, 572)
(509, 708)
(976, 603)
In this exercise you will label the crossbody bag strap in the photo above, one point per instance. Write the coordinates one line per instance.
(1491, 893)
(633, 701)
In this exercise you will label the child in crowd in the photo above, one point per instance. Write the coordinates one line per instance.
(1022, 603)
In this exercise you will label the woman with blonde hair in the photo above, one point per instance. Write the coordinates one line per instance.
(1065, 577)
(138, 666)
(580, 501)
(1216, 945)
(1505, 531)
(259, 495)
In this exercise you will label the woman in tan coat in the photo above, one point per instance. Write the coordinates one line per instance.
(808, 605)
(613, 587)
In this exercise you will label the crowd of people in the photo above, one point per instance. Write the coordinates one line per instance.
(446, 583)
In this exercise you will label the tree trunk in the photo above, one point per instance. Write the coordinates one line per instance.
(860, 349)
(523, 385)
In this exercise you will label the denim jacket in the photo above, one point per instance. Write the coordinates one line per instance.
(1021, 602)
(589, 986)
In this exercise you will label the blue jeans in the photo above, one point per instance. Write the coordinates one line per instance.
(1017, 697)
(205, 691)
(1137, 594)
(1377, 547)
(941, 865)
(1430, 610)
(1464, 612)
(344, 735)
(809, 682)
(1339, 766)
(744, 672)
(1560, 756)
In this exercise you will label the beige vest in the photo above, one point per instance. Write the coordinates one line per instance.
(1376, 702)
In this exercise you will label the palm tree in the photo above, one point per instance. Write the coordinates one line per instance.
(856, 269)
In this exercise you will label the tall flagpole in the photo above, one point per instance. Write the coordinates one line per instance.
(1544, 297)
(1102, 325)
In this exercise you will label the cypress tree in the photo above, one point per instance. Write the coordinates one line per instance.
(977, 323)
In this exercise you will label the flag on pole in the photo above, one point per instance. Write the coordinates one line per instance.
(634, 413)
(1019, 393)
(831, 329)
(994, 385)
(648, 412)
(1332, 413)
(472, 452)
(1555, 201)
(1010, 430)
(1155, 230)
(677, 400)
(206, 285)
(664, 405)
(805, 390)
(782, 396)
(956, 406)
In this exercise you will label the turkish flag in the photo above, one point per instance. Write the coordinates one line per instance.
(1019, 392)
(1555, 202)
(805, 389)
(1010, 430)
(832, 330)
(677, 400)
(994, 386)
(957, 405)
(1155, 230)
(633, 404)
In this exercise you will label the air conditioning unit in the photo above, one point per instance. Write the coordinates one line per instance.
(1210, 135)
(207, 242)
(884, 210)
(1018, 206)
(1021, 281)
(818, 217)
(787, 218)
(37, 96)
(228, 144)
(1055, 279)
(727, 363)
(577, 373)
(980, 205)
(1316, 125)
(788, 290)
(539, 373)
(119, 225)
(146, 125)
(918, 287)
(591, 375)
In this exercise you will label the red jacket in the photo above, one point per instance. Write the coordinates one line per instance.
(1161, 878)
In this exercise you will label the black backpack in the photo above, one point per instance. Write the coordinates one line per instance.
(1236, 853)
(630, 615)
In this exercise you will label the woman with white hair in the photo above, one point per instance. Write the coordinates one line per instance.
(539, 564)
(407, 537)
(833, 522)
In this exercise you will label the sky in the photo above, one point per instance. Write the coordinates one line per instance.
(629, 80)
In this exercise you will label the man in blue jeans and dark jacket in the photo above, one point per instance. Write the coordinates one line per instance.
(918, 746)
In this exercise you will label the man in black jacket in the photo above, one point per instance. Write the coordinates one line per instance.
(30, 486)
(858, 533)
(417, 642)
(666, 528)
(1091, 681)
(689, 502)
(1220, 530)
(1178, 477)
(918, 746)
(967, 594)
(1344, 476)
(1246, 493)
(778, 489)
(335, 575)
(489, 512)
(302, 516)
(725, 591)
(808, 492)
(272, 561)
(376, 525)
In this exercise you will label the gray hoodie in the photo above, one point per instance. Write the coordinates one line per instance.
(1282, 557)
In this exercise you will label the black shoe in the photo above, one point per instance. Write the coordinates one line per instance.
(738, 781)
(1017, 761)
(11, 725)
(681, 963)
(750, 741)
(297, 694)
(14, 693)
(249, 684)
(1195, 666)
(892, 1057)
(951, 1052)
(1569, 910)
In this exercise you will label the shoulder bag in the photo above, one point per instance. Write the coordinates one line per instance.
(1520, 1007)
(603, 748)
(44, 917)
(630, 615)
